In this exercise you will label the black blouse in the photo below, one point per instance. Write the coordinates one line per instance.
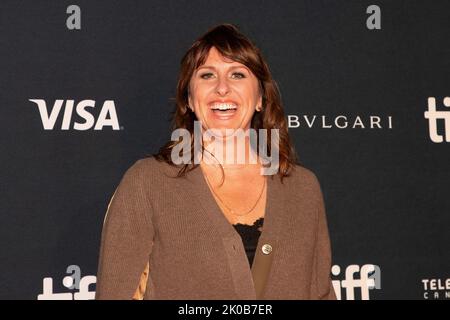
(250, 235)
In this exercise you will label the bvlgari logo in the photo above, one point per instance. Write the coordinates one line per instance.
(340, 122)
(107, 117)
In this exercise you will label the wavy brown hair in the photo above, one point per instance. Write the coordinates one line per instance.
(232, 44)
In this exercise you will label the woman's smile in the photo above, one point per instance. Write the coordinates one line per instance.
(223, 111)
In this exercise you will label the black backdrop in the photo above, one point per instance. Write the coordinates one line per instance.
(386, 189)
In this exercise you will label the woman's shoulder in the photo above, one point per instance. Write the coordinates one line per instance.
(303, 178)
(302, 174)
(150, 166)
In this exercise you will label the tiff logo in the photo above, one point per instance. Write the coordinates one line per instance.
(432, 115)
(107, 116)
(369, 278)
(73, 281)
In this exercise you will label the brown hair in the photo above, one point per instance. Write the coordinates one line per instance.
(232, 44)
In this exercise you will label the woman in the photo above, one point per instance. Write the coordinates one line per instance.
(185, 224)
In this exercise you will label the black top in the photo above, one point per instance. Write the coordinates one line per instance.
(250, 235)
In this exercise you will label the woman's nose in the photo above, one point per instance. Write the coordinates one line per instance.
(222, 85)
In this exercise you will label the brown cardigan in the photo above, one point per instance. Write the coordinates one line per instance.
(174, 230)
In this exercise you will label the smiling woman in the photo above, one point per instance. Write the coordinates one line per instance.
(218, 230)
(224, 70)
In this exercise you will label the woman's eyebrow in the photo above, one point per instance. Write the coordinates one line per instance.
(214, 68)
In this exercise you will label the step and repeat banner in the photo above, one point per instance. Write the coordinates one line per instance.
(87, 88)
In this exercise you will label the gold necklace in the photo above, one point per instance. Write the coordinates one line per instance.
(230, 209)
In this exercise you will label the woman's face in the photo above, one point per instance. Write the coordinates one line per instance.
(224, 93)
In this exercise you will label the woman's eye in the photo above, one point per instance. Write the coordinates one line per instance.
(239, 75)
(205, 75)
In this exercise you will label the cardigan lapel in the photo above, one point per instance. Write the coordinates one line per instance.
(268, 242)
(249, 282)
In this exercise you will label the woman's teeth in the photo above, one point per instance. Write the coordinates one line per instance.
(223, 107)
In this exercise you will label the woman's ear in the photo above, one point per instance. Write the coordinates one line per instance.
(259, 104)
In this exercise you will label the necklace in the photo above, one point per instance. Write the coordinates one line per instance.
(230, 209)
